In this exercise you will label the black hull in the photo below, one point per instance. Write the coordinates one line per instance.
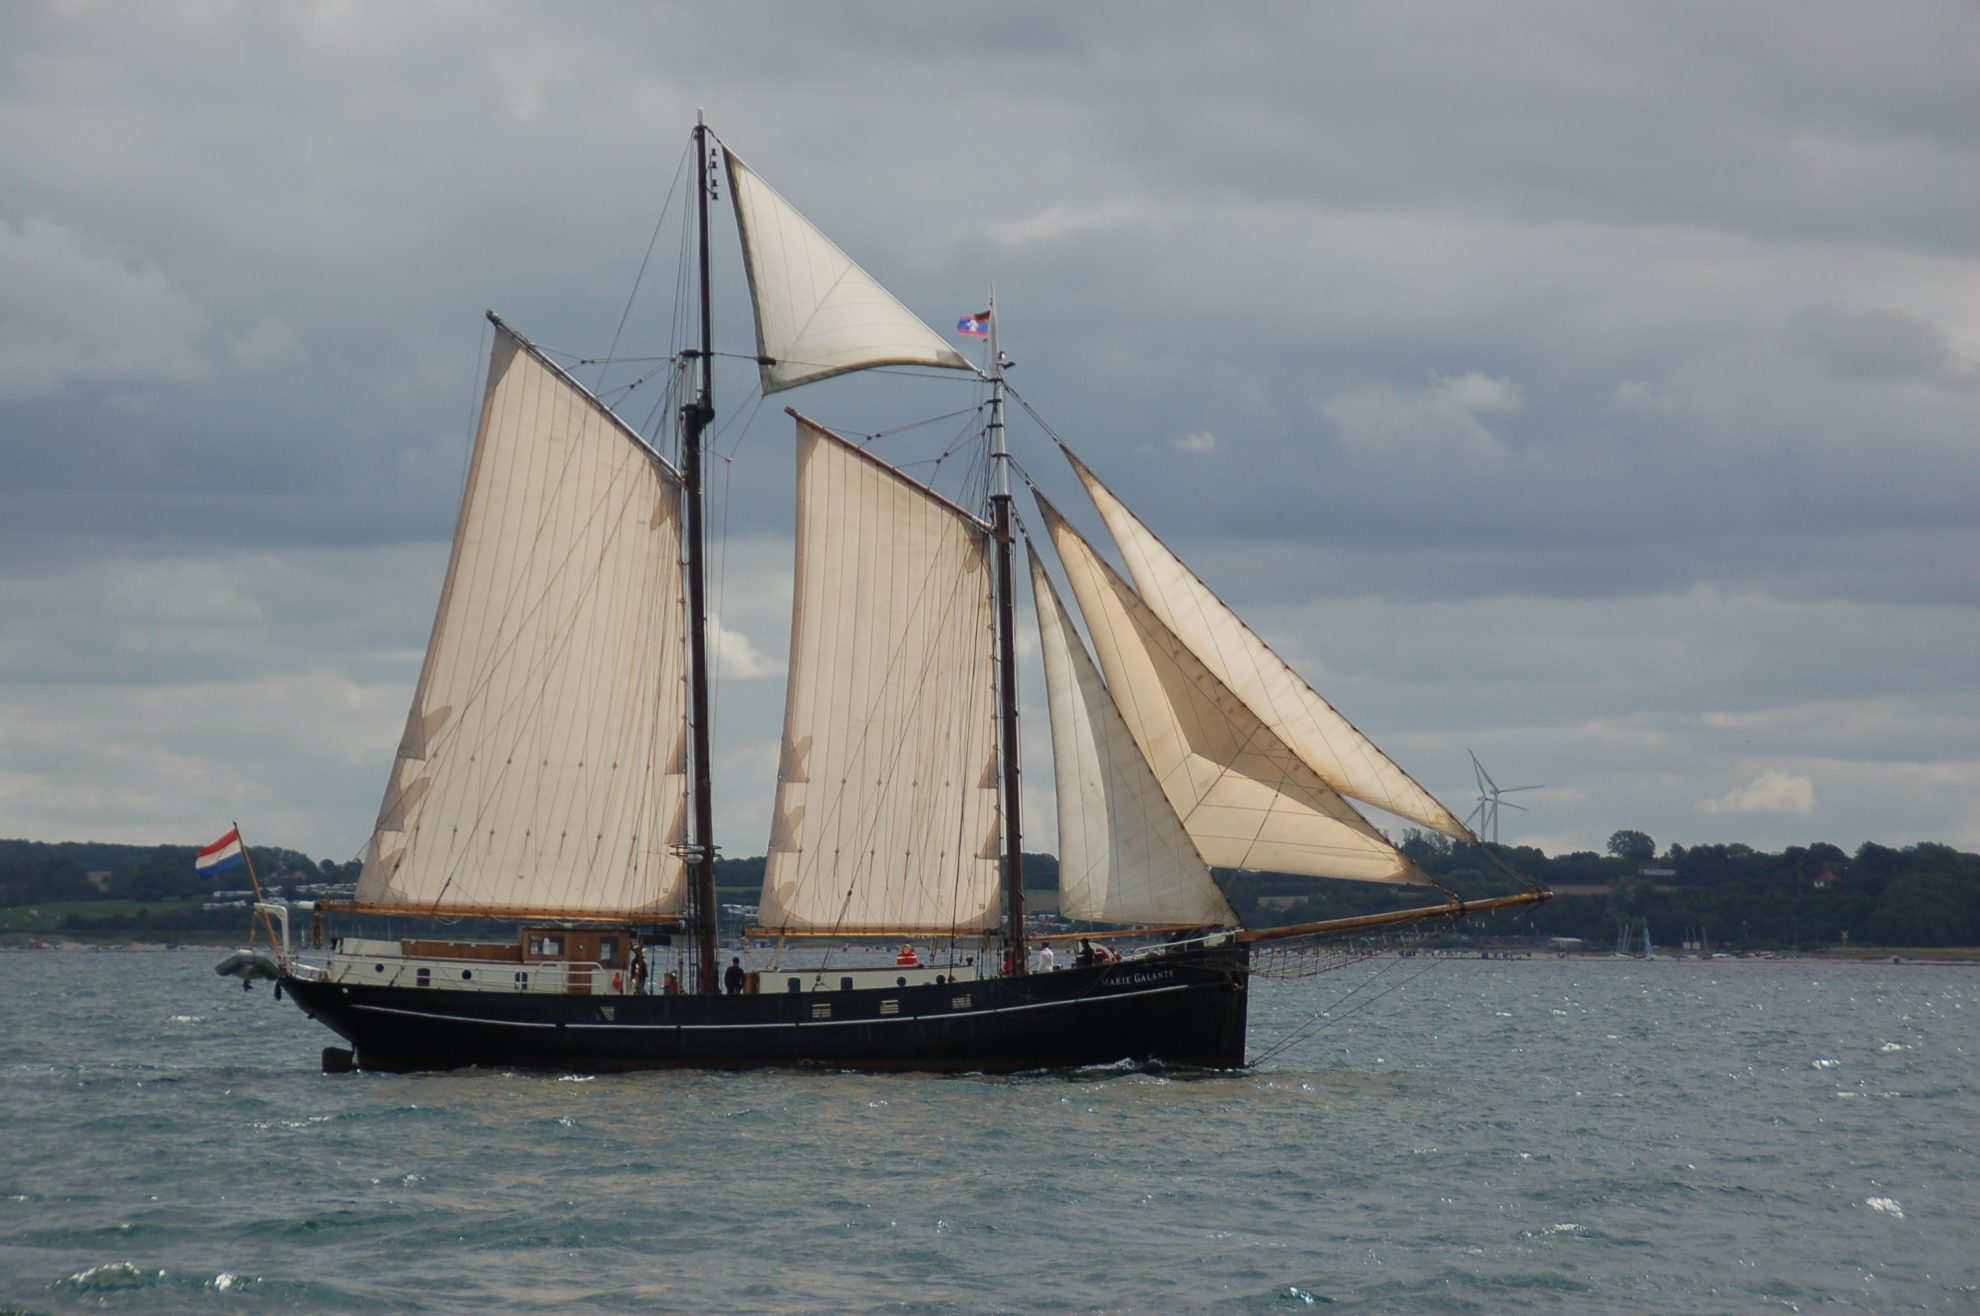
(1185, 1009)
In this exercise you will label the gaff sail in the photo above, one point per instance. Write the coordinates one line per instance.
(886, 815)
(541, 767)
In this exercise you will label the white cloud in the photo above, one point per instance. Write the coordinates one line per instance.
(1200, 441)
(737, 659)
(1772, 791)
(1445, 418)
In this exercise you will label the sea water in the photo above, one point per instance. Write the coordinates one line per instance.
(1420, 1135)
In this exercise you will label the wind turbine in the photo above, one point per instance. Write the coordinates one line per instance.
(1489, 793)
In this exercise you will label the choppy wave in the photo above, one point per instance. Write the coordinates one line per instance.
(1543, 1136)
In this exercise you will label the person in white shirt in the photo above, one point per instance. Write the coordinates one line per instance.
(1045, 964)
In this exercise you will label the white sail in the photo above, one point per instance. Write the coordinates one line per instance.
(541, 768)
(1123, 854)
(1244, 797)
(817, 313)
(886, 813)
(1345, 759)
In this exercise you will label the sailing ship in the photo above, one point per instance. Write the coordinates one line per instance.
(555, 769)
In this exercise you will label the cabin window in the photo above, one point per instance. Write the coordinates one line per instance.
(378, 968)
(845, 984)
(546, 945)
(424, 977)
(466, 974)
(522, 981)
(608, 950)
(796, 984)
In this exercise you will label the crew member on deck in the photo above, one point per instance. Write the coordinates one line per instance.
(907, 959)
(734, 977)
(1087, 955)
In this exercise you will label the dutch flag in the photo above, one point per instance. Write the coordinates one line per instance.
(222, 855)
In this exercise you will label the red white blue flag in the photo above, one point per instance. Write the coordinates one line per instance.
(222, 855)
(974, 326)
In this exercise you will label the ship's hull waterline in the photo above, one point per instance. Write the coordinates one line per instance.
(1187, 1009)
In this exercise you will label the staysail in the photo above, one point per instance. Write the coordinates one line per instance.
(1331, 745)
(1123, 854)
(1244, 797)
(886, 816)
(817, 313)
(541, 767)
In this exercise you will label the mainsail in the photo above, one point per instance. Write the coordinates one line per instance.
(1329, 744)
(1123, 854)
(541, 767)
(1245, 798)
(817, 313)
(886, 815)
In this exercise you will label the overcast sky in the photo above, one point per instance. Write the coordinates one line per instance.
(1595, 387)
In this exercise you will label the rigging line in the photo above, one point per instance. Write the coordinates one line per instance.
(632, 294)
(625, 390)
(740, 422)
(1037, 419)
(1325, 1019)
(876, 435)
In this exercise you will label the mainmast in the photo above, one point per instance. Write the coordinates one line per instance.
(695, 416)
(1000, 511)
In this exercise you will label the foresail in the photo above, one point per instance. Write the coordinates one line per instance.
(1244, 797)
(1123, 854)
(817, 313)
(1331, 745)
(886, 816)
(541, 769)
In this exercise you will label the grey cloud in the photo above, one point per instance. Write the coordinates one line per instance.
(1875, 345)
(1573, 371)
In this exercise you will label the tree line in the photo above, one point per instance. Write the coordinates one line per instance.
(1735, 896)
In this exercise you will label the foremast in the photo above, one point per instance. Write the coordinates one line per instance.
(695, 416)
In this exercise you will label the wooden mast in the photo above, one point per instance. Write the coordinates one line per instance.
(695, 416)
(1000, 508)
